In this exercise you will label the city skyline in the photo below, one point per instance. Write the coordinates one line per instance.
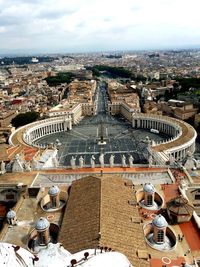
(67, 27)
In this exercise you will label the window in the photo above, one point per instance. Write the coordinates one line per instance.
(149, 200)
(54, 202)
(197, 197)
(10, 196)
(160, 237)
(42, 238)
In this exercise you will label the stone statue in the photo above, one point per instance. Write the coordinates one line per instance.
(16, 157)
(111, 160)
(3, 167)
(123, 161)
(184, 184)
(171, 160)
(92, 161)
(148, 141)
(17, 165)
(189, 154)
(34, 164)
(190, 162)
(73, 162)
(81, 162)
(55, 161)
(131, 159)
(27, 167)
(101, 160)
(57, 142)
(150, 160)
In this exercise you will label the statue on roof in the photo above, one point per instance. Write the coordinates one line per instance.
(130, 159)
(150, 160)
(189, 154)
(3, 167)
(73, 162)
(111, 160)
(27, 166)
(190, 163)
(124, 161)
(81, 162)
(17, 165)
(172, 160)
(92, 161)
(55, 161)
(34, 164)
(101, 160)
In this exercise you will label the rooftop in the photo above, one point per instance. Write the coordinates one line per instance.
(97, 216)
(101, 211)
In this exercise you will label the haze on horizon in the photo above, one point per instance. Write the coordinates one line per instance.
(97, 25)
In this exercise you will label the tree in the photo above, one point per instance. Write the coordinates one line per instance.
(113, 72)
(25, 118)
(61, 77)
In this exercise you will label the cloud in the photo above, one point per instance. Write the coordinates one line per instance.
(95, 24)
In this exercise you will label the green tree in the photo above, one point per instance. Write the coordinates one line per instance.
(61, 77)
(114, 72)
(25, 118)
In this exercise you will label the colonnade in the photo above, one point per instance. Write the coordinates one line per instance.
(181, 135)
(160, 125)
(179, 131)
(42, 128)
(181, 153)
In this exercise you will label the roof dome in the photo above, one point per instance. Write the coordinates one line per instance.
(11, 214)
(149, 188)
(53, 255)
(108, 259)
(42, 224)
(53, 190)
(15, 256)
(159, 221)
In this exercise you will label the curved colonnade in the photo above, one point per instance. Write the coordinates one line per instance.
(28, 134)
(182, 135)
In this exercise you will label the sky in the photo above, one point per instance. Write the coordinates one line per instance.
(52, 26)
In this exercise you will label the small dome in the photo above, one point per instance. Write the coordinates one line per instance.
(54, 190)
(42, 224)
(11, 214)
(159, 221)
(149, 188)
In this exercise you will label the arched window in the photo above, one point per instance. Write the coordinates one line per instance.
(160, 237)
(54, 202)
(42, 238)
(149, 200)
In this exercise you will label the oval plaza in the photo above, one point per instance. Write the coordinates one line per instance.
(159, 137)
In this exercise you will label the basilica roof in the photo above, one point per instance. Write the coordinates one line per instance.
(15, 256)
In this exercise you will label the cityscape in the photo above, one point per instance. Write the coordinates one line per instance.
(99, 134)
